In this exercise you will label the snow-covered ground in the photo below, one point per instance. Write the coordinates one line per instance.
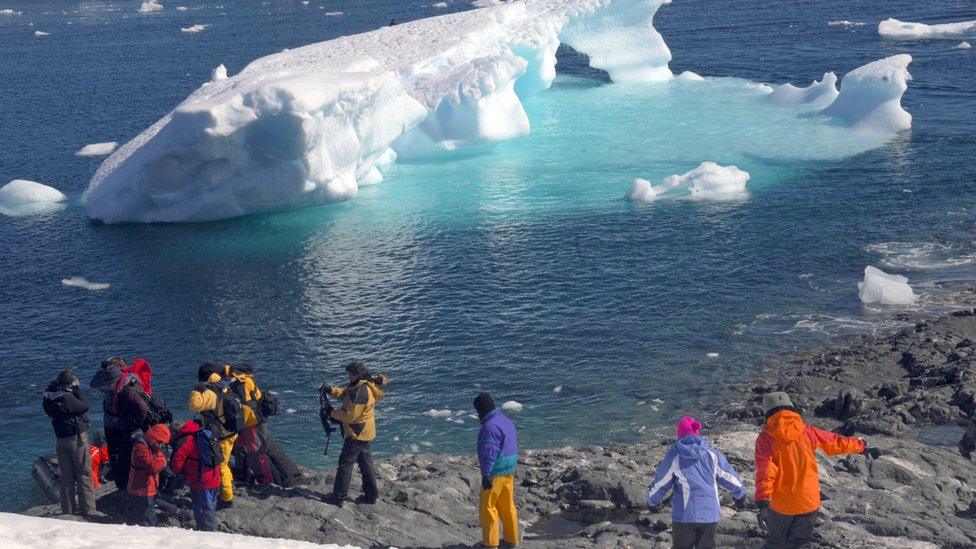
(904, 29)
(23, 532)
(307, 126)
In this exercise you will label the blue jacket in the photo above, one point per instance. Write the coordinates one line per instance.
(497, 445)
(694, 470)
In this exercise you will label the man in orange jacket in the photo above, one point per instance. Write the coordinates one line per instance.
(787, 479)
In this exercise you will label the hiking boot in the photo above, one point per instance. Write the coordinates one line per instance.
(363, 500)
(333, 499)
(225, 504)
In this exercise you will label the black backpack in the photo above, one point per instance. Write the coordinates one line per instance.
(158, 411)
(233, 420)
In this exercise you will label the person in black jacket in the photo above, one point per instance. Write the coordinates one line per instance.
(125, 413)
(69, 417)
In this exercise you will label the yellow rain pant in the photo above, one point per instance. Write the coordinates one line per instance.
(499, 504)
(226, 476)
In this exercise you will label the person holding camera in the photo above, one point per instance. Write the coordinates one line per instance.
(358, 421)
(68, 411)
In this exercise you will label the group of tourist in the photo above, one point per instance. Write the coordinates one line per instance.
(231, 426)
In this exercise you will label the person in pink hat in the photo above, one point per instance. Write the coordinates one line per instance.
(693, 470)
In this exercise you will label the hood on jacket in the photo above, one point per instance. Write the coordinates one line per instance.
(188, 428)
(158, 434)
(785, 426)
(691, 447)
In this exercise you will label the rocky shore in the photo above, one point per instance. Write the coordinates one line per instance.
(908, 393)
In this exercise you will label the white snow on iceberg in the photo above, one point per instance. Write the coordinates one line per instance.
(879, 287)
(709, 181)
(97, 149)
(21, 531)
(150, 6)
(23, 197)
(870, 96)
(820, 93)
(903, 29)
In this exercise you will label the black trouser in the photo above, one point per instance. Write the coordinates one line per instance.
(692, 535)
(353, 452)
(119, 456)
(789, 532)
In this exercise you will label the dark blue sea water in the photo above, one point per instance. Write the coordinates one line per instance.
(518, 272)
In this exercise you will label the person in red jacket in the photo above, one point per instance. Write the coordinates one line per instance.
(787, 478)
(204, 481)
(99, 457)
(146, 463)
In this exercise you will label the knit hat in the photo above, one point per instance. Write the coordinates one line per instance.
(776, 399)
(65, 379)
(357, 368)
(687, 426)
(208, 369)
(158, 434)
(483, 403)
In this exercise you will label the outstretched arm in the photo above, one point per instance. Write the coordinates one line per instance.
(835, 445)
(726, 476)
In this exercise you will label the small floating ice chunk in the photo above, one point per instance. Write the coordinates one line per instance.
(41, 34)
(512, 406)
(333, 13)
(845, 23)
(291, 410)
(870, 96)
(23, 197)
(904, 29)
(712, 355)
(709, 181)
(97, 149)
(181, 8)
(150, 6)
(962, 46)
(440, 5)
(194, 29)
(819, 94)
(690, 76)
(437, 413)
(879, 287)
(557, 389)
(9, 12)
(80, 282)
(219, 73)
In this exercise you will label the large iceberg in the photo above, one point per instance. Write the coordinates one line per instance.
(311, 125)
(903, 29)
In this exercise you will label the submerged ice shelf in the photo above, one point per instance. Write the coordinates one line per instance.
(311, 125)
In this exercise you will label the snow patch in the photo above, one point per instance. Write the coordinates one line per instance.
(21, 531)
(150, 6)
(962, 46)
(97, 149)
(879, 287)
(438, 413)
(80, 282)
(512, 406)
(870, 96)
(903, 29)
(709, 181)
(22, 197)
(819, 94)
(194, 29)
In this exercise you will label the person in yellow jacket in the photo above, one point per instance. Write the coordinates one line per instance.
(252, 438)
(204, 400)
(358, 421)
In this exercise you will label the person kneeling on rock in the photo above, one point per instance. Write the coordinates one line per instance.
(694, 470)
(497, 458)
(787, 478)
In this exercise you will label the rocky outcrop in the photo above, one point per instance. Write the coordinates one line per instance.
(907, 393)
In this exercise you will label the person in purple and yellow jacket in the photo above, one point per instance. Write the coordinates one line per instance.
(497, 458)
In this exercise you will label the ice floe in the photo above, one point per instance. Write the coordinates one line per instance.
(194, 29)
(440, 5)
(97, 149)
(709, 181)
(820, 93)
(333, 13)
(870, 96)
(150, 6)
(845, 23)
(438, 413)
(22, 197)
(41, 34)
(181, 8)
(9, 12)
(881, 288)
(80, 282)
(962, 46)
(512, 406)
(903, 29)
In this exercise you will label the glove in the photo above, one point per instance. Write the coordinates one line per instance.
(740, 504)
(486, 483)
(761, 514)
(871, 452)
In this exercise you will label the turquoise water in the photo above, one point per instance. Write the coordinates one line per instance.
(518, 271)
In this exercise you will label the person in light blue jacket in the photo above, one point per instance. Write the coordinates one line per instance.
(693, 469)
